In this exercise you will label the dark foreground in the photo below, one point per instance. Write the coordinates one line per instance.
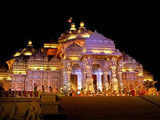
(111, 108)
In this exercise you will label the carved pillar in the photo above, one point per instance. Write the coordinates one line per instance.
(67, 75)
(99, 81)
(120, 74)
(114, 73)
(105, 74)
(120, 80)
(106, 84)
(88, 69)
(84, 79)
(79, 75)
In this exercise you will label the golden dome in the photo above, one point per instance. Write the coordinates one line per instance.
(27, 53)
(73, 26)
(17, 54)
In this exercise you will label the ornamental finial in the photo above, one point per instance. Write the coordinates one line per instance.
(29, 43)
(82, 24)
(73, 27)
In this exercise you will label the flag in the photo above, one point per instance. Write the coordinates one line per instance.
(70, 20)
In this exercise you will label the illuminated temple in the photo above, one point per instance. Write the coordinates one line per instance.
(82, 59)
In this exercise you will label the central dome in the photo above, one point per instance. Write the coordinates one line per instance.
(74, 34)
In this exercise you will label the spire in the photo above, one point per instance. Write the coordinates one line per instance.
(73, 27)
(29, 43)
(82, 25)
(82, 28)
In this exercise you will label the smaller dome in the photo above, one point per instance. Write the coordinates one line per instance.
(73, 27)
(27, 53)
(17, 54)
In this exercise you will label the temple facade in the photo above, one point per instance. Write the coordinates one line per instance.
(81, 60)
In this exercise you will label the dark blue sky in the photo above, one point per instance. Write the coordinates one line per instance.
(135, 27)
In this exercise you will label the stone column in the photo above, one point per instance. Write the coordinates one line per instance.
(68, 80)
(83, 73)
(106, 84)
(67, 75)
(120, 74)
(99, 81)
(120, 80)
(79, 77)
(114, 74)
(88, 69)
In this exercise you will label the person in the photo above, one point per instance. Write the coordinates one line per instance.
(1, 91)
(132, 92)
(19, 93)
(31, 94)
(43, 89)
(35, 88)
(12, 93)
(24, 94)
(70, 93)
(50, 89)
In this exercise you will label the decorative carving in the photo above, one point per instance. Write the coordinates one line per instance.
(114, 74)
(88, 69)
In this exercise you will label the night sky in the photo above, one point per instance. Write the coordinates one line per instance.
(135, 26)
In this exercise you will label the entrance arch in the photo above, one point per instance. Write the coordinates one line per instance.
(97, 77)
(74, 84)
(76, 77)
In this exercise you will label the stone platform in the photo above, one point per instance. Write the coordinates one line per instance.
(111, 108)
(12, 108)
(81, 108)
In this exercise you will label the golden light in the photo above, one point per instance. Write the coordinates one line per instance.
(74, 58)
(73, 27)
(50, 45)
(53, 68)
(96, 51)
(140, 74)
(123, 70)
(81, 24)
(4, 77)
(108, 51)
(84, 50)
(29, 43)
(17, 54)
(148, 79)
(72, 37)
(19, 72)
(102, 51)
(38, 67)
(130, 70)
(28, 53)
(85, 35)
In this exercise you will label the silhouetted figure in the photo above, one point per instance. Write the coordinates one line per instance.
(24, 93)
(31, 93)
(35, 90)
(9, 92)
(50, 89)
(1, 91)
(43, 89)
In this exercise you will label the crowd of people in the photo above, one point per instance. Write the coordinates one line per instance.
(110, 92)
(124, 92)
